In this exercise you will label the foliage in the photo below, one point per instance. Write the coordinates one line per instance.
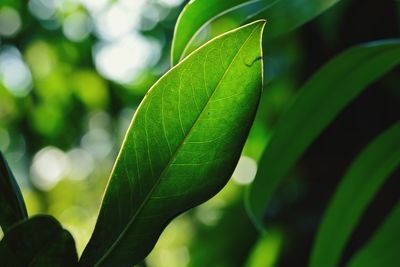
(72, 73)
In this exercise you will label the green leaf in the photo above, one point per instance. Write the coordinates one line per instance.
(182, 146)
(284, 16)
(12, 205)
(328, 92)
(383, 248)
(195, 15)
(267, 249)
(357, 189)
(39, 241)
(287, 15)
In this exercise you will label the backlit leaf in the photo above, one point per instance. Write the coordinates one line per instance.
(182, 146)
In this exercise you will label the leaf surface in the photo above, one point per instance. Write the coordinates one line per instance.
(182, 146)
(38, 242)
(12, 205)
(357, 189)
(383, 247)
(320, 100)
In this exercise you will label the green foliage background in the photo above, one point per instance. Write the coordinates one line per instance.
(68, 113)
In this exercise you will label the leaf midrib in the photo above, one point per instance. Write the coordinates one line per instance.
(176, 152)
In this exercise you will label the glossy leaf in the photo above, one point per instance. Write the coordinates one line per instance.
(328, 92)
(182, 146)
(357, 189)
(39, 241)
(284, 16)
(12, 205)
(383, 247)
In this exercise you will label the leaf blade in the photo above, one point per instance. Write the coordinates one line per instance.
(178, 138)
(204, 11)
(375, 163)
(285, 16)
(324, 95)
(12, 205)
(382, 249)
(38, 241)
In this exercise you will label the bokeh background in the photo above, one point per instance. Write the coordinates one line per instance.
(72, 73)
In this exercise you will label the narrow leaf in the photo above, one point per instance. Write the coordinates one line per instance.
(182, 146)
(266, 251)
(287, 15)
(328, 92)
(383, 248)
(195, 15)
(39, 241)
(357, 189)
(284, 16)
(12, 205)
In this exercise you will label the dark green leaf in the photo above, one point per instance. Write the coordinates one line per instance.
(333, 87)
(195, 15)
(182, 146)
(383, 248)
(284, 16)
(12, 205)
(39, 241)
(357, 189)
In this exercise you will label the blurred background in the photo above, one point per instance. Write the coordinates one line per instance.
(72, 73)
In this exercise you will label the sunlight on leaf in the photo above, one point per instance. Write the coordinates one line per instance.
(182, 146)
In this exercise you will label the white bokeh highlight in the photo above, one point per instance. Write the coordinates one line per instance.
(245, 171)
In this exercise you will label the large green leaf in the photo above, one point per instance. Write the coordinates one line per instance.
(39, 241)
(357, 189)
(284, 15)
(182, 146)
(12, 205)
(333, 87)
(383, 248)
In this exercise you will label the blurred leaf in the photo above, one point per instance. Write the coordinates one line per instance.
(195, 15)
(383, 248)
(284, 16)
(214, 241)
(12, 205)
(328, 91)
(265, 252)
(182, 147)
(39, 241)
(358, 187)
